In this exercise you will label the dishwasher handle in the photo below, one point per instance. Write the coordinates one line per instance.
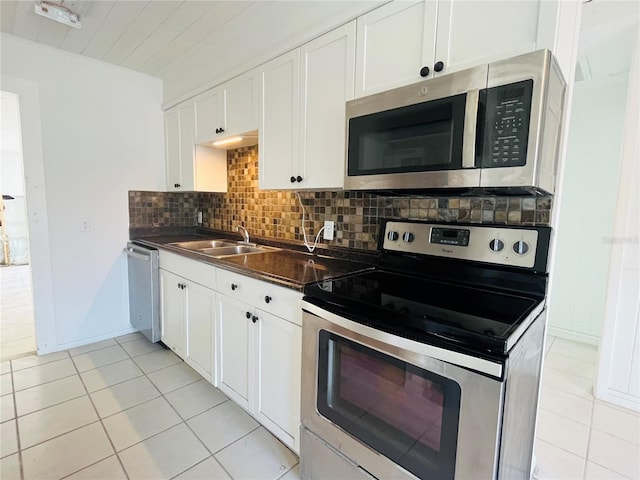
(141, 254)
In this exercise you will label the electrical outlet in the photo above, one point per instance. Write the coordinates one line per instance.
(329, 230)
(199, 218)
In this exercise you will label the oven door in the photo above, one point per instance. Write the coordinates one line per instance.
(394, 410)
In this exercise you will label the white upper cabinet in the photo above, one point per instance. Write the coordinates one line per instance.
(404, 42)
(472, 33)
(326, 83)
(228, 110)
(278, 121)
(190, 167)
(302, 113)
(209, 108)
(394, 43)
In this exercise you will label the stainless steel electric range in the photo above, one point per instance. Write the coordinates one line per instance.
(428, 366)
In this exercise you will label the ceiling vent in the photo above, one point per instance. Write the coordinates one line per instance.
(59, 13)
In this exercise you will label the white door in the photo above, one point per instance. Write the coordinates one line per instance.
(200, 315)
(233, 350)
(473, 33)
(241, 104)
(278, 121)
(278, 379)
(394, 42)
(187, 147)
(327, 82)
(172, 147)
(209, 115)
(173, 308)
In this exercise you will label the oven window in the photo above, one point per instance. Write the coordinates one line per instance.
(416, 138)
(408, 414)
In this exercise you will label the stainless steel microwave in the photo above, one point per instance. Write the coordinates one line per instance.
(495, 126)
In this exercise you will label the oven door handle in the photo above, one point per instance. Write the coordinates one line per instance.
(470, 127)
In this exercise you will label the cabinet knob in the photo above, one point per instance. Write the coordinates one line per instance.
(254, 319)
(221, 130)
(176, 185)
(217, 130)
(233, 286)
(248, 314)
(293, 179)
(439, 66)
(298, 179)
(424, 71)
(267, 299)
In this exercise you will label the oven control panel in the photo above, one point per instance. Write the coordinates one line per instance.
(481, 243)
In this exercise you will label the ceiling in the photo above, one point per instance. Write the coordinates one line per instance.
(170, 38)
(155, 36)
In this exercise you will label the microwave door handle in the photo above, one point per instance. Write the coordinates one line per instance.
(470, 128)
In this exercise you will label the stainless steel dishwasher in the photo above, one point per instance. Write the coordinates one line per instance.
(144, 289)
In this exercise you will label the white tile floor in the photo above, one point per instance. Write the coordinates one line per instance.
(578, 436)
(125, 408)
(17, 332)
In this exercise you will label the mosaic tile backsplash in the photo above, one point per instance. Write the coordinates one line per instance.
(278, 214)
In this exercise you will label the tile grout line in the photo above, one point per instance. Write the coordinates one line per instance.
(17, 429)
(104, 429)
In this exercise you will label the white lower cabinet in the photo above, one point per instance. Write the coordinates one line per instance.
(259, 352)
(242, 334)
(233, 349)
(173, 312)
(277, 376)
(188, 311)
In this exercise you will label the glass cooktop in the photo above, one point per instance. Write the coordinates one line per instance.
(424, 310)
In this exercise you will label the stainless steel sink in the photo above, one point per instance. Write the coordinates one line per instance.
(219, 248)
(199, 245)
(235, 250)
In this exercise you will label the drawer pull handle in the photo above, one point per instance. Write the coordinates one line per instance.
(267, 299)
(233, 286)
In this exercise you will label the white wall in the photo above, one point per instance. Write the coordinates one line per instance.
(585, 215)
(102, 135)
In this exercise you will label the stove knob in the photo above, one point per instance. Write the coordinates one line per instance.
(407, 237)
(496, 245)
(393, 236)
(521, 247)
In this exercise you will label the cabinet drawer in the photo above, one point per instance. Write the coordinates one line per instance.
(196, 271)
(280, 301)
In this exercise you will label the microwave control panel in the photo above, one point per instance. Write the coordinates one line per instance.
(506, 125)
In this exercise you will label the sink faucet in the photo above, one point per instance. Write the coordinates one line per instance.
(245, 234)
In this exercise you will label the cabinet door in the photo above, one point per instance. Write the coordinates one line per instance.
(394, 42)
(209, 115)
(187, 147)
(278, 345)
(473, 33)
(172, 147)
(173, 308)
(241, 104)
(200, 315)
(235, 358)
(278, 121)
(327, 82)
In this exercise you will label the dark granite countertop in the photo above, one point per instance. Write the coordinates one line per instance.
(287, 267)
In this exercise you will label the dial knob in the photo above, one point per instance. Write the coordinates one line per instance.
(496, 245)
(407, 237)
(393, 236)
(521, 247)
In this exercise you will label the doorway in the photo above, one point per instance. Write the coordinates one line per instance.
(17, 331)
